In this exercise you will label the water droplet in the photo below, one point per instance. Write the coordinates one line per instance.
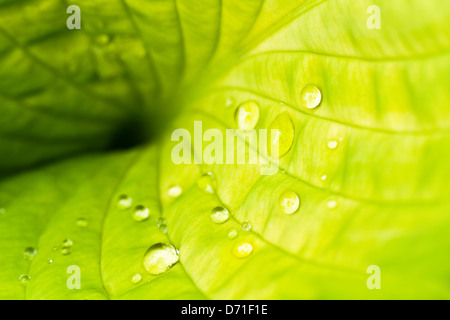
(160, 222)
(81, 222)
(65, 251)
(50, 261)
(24, 280)
(229, 102)
(174, 191)
(247, 115)
(323, 178)
(29, 253)
(160, 257)
(246, 226)
(136, 278)
(310, 97)
(206, 183)
(289, 202)
(141, 213)
(219, 215)
(332, 144)
(242, 249)
(163, 228)
(232, 234)
(66, 247)
(332, 204)
(283, 136)
(124, 202)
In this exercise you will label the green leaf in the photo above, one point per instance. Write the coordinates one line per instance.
(369, 164)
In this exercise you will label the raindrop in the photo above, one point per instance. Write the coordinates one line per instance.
(141, 213)
(283, 136)
(232, 234)
(136, 278)
(242, 250)
(324, 177)
(29, 253)
(124, 202)
(163, 228)
(289, 202)
(310, 97)
(66, 247)
(206, 183)
(67, 243)
(247, 115)
(332, 144)
(160, 257)
(160, 222)
(174, 191)
(332, 204)
(81, 222)
(246, 226)
(50, 261)
(24, 279)
(219, 215)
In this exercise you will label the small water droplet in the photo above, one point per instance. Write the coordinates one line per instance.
(332, 204)
(29, 253)
(24, 280)
(66, 247)
(65, 251)
(160, 222)
(67, 243)
(163, 228)
(206, 183)
(246, 226)
(229, 102)
(242, 250)
(81, 222)
(219, 215)
(50, 261)
(232, 234)
(310, 97)
(124, 202)
(136, 278)
(141, 213)
(174, 191)
(160, 257)
(282, 136)
(332, 144)
(247, 115)
(289, 202)
(323, 178)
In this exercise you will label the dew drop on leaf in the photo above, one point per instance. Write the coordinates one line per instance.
(206, 183)
(229, 102)
(219, 215)
(174, 191)
(247, 115)
(124, 202)
(323, 178)
(232, 234)
(81, 222)
(50, 261)
(141, 213)
(283, 134)
(24, 280)
(310, 97)
(136, 278)
(332, 204)
(160, 222)
(159, 258)
(332, 144)
(242, 249)
(289, 202)
(246, 226)
(66, 247)
(29, 253)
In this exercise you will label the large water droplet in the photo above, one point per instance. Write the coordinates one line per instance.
(219, 215)
(242, 249)
(81, 222)
(247, 115)
(160, 257)
(141, 213)
(332, 204)
(332, 144)
(29, 253)
(246, 226)
(124, 202)
(206, 183)
(174, 191)
(136, 278)
(289, 202)
(283, 136)
(310, 97)
(24, 280)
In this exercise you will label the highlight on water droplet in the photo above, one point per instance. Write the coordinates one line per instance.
(81, 222)
(247, 115)
(29, 253)
(24, 280)
(310, 97)
(324, 177)
(49, 261)
(174, 191)
(141, 213)
(332, 204)
(332, 144)
(246, 226)
(282, 136)
(136, 278)
(289, 202)
(206, 183)
(124, 202)
(242, 249)
(219, 215)
(160, 257)
(232, 234)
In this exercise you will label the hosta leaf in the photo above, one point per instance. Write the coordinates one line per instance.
(369, 163)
